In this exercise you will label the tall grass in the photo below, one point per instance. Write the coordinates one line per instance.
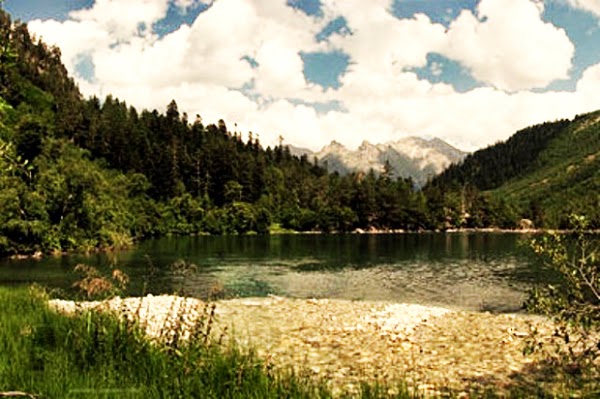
(96, 354)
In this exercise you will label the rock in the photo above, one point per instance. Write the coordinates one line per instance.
(349, 341)
(526, 224)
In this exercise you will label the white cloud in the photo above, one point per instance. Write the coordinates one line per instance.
(73, 38)
(123, 19)
(589, 84)
(509, 46)
(211, 50)
(592, 6)
(380, 42)
(280, 71)
(279, 34)
(200, 66)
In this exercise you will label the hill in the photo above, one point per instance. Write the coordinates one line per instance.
(411, 157)
(87, 174)
(567, 178)
(547, 171)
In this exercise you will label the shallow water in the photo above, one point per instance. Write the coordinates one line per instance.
(488, 271)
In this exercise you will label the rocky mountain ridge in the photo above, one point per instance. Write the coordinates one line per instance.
(413, 157)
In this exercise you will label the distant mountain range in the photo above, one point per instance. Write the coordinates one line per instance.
(413, 157)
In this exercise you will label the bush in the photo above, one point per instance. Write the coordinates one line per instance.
(575, 302)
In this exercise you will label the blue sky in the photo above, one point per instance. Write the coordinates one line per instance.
(469, 71)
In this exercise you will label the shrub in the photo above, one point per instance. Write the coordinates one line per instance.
(94, 285)
(574, 303)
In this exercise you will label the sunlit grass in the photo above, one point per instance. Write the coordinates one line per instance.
(95, 354)
(98, 355)
(276, 228)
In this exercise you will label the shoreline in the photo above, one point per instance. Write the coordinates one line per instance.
(38, 255)
(346, 341)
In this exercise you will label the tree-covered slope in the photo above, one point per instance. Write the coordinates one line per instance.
(81, 173)
(546, 171)
(567, 178)
(53, 195)
(493, 166)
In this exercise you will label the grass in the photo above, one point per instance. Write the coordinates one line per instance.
(97, 355)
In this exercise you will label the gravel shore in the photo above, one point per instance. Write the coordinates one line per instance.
(346, 342)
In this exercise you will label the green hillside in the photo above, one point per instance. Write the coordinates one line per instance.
(86, 174)
(546, 172)
(567, 178)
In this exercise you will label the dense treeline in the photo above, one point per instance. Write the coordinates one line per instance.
(87, 173)
(493, 166)
(82, 174)
(547, 172)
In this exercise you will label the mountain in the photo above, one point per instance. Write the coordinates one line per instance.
(548, 171)
(81, 174)
(412, 157)
(299, 151)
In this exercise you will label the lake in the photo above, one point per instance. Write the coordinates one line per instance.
(490, 271)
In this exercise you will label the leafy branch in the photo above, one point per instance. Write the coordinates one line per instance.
(575, 302)
(14, 163)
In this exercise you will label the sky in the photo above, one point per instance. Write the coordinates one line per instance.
(471, 72)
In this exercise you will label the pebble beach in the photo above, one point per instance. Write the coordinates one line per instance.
(346, 342)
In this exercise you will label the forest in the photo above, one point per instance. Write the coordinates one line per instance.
(85, 174)
(548, 171)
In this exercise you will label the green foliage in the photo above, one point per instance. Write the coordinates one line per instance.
(99, 355)
(575, 303)
(8, 55)
(69, 203)
(491, 167)
(84, 174)
(12, 163)
(181, 215)
(3, 107)
(4, 110)
(28, 138)
(545, 172)
(87, 203)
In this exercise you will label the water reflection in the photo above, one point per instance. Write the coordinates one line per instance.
(471, 271)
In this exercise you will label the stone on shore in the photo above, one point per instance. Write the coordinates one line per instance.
(346, 342)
